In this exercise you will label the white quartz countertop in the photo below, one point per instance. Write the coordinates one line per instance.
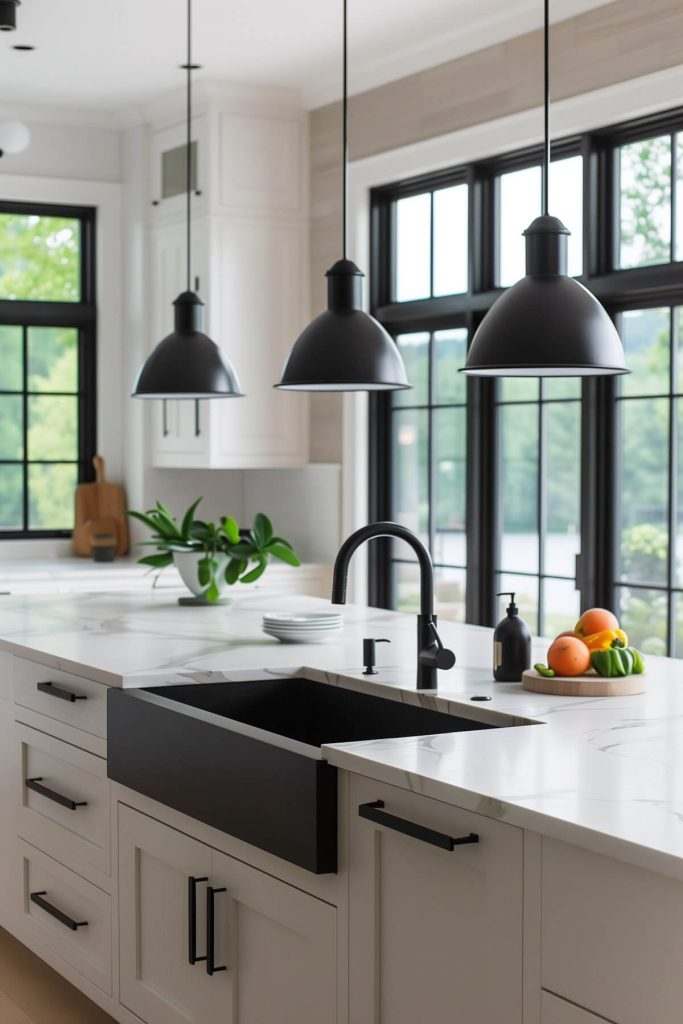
(605, 773)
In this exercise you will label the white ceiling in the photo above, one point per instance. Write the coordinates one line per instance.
(113, 55)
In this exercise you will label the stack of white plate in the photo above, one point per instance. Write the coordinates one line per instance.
(302, 627)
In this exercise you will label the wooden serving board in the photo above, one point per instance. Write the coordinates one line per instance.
(590, 685)
(100, 508)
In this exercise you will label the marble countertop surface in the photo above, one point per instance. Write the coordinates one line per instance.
(605, 773)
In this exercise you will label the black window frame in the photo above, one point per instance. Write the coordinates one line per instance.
(81, 315)
(618, 290)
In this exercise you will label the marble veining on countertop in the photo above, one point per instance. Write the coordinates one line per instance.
(606, 773)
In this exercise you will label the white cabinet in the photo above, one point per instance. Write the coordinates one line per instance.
(434, 934)
(274, 947)
(250, 255)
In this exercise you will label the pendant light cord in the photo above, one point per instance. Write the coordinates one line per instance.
(546, 101)
(188, 153)
(345, 135)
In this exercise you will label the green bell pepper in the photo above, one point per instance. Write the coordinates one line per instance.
(617, 661)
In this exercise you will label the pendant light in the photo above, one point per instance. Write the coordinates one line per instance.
(8, 15)
(187, 363)
(547, 324)
(344, 349)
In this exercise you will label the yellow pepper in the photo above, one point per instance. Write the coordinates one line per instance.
(605, 639)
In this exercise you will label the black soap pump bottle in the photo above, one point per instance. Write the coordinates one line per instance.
(511, 645)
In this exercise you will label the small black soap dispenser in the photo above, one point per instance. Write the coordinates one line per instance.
(511, 645)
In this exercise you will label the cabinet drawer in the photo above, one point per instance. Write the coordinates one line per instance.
(71, 699)
(63, 799)
(611, 936)
(74, 920)
(559, 1011)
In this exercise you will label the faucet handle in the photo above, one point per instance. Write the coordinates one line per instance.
(370, 654)
(444, 658)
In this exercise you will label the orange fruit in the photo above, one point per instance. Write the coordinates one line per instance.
(595, 620)
(569, 656)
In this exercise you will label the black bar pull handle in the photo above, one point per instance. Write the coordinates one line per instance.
(374, 813)
(59, 915)
(56, 691)
(51, 794)
(192, 883)
(210, 931)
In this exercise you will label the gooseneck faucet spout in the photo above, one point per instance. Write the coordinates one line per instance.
(431, 654)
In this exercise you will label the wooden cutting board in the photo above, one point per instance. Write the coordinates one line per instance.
(590, 685)
(100, 508)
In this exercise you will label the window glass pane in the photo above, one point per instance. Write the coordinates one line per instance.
(39, 258)
(11, 497)
(561, 387)
(449, 429)
(51, 496)
(410, 499)
(563, 483)
(450, 240)
(520, 202)
(450, 352)
(678, 621)
(566, 202)
(561, 606)
(449, 596)
(647, 343)
(519, 495)
(52, 359)
(11, 427)
(525, 589)
(11, 359)
(644, 489)
(52, 428)
(406, 586)
(519, 389)
(645, 182)
(415, 351)
(413, 242)
(643, 613)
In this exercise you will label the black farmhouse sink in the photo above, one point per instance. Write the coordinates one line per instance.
(245, 757)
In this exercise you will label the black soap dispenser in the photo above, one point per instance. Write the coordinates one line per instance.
(511, 645)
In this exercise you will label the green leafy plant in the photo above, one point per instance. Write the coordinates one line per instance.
(248, 552)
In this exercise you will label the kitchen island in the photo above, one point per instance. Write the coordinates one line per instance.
(580, 819)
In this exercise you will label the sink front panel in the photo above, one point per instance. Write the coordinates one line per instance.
(280, 801)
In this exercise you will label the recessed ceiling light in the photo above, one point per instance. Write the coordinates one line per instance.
(24, 47)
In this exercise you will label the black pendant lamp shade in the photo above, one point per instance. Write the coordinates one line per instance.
(547, 324)
(187, 363)
(344, 348)
(170, 373)
(8, 15)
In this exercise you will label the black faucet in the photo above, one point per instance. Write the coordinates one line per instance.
(431, 653)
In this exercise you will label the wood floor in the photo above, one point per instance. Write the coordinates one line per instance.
(32, 993)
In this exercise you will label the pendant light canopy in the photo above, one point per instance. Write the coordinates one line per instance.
(187, 363)
(344, 349)
(547, 324)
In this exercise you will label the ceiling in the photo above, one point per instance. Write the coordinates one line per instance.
(102, 55)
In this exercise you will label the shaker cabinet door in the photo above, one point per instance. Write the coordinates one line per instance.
(435, 933)
(158, 982)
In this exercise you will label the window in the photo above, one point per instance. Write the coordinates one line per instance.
(47, 365)
(568, 492)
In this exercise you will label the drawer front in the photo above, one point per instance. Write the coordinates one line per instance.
(62, 911)
(70, 699)
(611, 936)
(559, 1011)
(62, 799)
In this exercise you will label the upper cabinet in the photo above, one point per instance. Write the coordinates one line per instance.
(250, 268)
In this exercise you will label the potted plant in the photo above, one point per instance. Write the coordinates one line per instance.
(212, 556)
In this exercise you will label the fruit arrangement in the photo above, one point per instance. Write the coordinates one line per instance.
(596, 643)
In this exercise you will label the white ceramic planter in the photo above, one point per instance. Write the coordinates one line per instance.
(187, 562)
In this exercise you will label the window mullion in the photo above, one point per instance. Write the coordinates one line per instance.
(673, 488)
